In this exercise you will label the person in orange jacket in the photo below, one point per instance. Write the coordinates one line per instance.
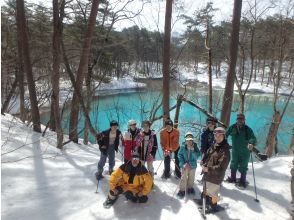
(169, 141)
(132, 179)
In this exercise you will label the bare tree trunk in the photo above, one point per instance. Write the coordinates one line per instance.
(166, 59)
(272, 134)
(57, 28)
(88, 103)
(9, 96)
(20, 77)
(22, 30)
(263, 69)
(73, 134)
(177, 114)
(228, 94)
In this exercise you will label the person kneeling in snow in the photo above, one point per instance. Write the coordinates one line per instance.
(188, 155)
(132, 179)
(214, 166)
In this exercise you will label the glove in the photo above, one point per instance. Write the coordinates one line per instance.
(186, 166)
(149, 157)
(166, 153)
(250, 147)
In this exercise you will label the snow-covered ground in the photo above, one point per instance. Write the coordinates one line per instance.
(189, 73)
(40, 182)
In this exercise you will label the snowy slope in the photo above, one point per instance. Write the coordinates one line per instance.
(40, 182)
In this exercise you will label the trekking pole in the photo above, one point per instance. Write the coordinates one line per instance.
(97, 187)
(158, 168)
(178, 186)
(256, 200)
(204, 199)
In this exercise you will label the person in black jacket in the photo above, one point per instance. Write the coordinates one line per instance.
(146, 142)
(108, 141)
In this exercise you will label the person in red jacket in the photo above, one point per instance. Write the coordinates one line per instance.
(129, 140)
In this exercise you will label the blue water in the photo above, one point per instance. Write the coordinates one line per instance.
(135, 105)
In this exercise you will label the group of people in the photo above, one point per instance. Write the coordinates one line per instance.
(135, 180)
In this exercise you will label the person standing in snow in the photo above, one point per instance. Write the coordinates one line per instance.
(243, 140)
(132, 179)
(207, 136)
(214, 165)
(146, 142)
(129, 140)
(188, 155)
(108, 141)
(169, 141)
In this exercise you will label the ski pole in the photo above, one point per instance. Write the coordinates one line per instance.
(256, 200)
(158, 168)
(204, 199)
(97, 187)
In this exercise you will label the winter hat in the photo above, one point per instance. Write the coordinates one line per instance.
(210, 119)
(240, 116)
(189, 136)
(134, 154)
(169, 122)
(219, 130)
(113, 123)
(132, 122)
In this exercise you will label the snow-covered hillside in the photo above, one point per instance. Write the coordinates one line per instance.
(40, 182)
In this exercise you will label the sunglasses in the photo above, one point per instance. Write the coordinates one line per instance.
(133, 124)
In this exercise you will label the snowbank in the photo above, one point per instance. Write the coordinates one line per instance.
(41, 182)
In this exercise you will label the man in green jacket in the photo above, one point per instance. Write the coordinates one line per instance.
(243, 140)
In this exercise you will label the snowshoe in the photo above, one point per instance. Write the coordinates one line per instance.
(230, 180)
(165, 175)
(109, 202)
(261, 157)
(191, 191)
(241, 185)
(181, 194)
(99, 176)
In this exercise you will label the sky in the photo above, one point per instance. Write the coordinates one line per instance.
(153, 11)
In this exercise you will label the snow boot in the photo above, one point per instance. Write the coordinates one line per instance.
(191, 191)
(99, 176)
(232, 178)
(242, 183)
(165, 175)
(181, 194)
(109, 202)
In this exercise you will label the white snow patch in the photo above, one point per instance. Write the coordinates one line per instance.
(41, 182)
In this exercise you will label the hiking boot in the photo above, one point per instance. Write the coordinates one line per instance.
(230, 180)
(191, 191)
(99, 176)
(109, 202)
(181, 194)
(177, 174)
(165, 175)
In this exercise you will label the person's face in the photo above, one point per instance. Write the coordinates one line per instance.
(135, 161)
(169, 127)
(146, 127)
(189, 143)
(219, 138)
(113, 128)
(210, 125)
(133, 126)
(240, 121)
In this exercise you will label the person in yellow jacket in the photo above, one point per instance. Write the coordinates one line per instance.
(169, 141)
(132, 179)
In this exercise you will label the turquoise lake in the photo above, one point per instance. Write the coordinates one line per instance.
(132, 104)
